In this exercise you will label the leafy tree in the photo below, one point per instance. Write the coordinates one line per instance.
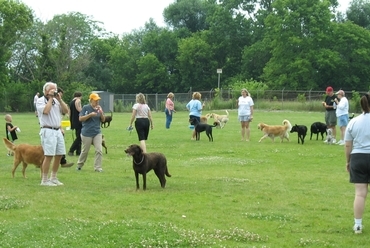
(190, 14)
(15, 18)
(196, 64)
(359, 13)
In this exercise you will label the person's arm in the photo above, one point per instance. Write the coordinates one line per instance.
(133, 116)
(78, 105)
(251, 116)
(83, 117)
(150, 119)
(348, 150)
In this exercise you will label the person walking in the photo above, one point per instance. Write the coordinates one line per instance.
(330, 116)
(245, 113)
(195, 108)
(91, 116)
(342, 114)
(170, 109)
(50, 108)
(357, 153)
(143, 120)
(75, 109)
(35, 98)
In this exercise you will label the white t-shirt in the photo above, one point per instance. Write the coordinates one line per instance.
(342, 107)
(358, 131)
(244, 105)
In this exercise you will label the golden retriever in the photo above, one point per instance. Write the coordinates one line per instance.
(273, 131)
(221, 119)
(27, 154)
(204, 118)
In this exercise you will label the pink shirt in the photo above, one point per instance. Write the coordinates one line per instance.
(169, 104)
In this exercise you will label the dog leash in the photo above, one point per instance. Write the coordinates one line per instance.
(130, 128)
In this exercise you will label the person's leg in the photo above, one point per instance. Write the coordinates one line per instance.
(167, 118)
(45, 169)
(86, 143)
(247, 130)
(143, 145)
(243, 129)
(98, 152)
(54, 170)
(361, 190)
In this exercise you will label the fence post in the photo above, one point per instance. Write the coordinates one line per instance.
(282, 99)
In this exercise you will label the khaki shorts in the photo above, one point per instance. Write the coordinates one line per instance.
(330, 118)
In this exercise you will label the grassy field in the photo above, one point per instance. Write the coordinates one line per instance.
(225, 193)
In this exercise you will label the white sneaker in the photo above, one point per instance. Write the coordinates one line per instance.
(48, 183)
(334, 141)
(340, 141)
(99, 170)
(357, 229)
(56, 182)
(325, 141)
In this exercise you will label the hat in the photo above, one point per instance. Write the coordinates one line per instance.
(329, 89)
(340, 92)
(94, 96)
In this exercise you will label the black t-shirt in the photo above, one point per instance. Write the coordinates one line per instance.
(329, 100)
(10, 135)
(74, 117)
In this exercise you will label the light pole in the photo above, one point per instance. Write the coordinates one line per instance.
(219, 71)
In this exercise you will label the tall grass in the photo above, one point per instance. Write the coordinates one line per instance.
(225, 193)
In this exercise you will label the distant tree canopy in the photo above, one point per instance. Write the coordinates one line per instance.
(289, 44)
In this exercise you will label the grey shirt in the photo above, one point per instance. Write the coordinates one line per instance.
(90, 127)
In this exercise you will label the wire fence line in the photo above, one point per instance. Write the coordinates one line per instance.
(156, 101)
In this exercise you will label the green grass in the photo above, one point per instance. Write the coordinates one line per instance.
(225, 193)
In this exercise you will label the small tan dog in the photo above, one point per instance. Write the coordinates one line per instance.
(204, 118)
(221, 119)
(274, 131)
(27, 154)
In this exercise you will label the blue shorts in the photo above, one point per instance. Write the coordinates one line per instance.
(343, 120)
(244, 118)
(52, 142)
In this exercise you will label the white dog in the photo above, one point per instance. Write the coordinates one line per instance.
(329, 137)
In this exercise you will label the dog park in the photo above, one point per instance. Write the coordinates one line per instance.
(225, 193)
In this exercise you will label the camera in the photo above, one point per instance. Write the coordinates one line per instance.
(55, 93)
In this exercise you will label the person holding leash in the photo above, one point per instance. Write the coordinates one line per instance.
(330, 116)
(195, 108)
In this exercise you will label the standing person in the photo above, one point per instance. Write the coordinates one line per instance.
(195, 108)
(75, 108)
(330, 116)
(50, 109)
(143, 119)
(170, 109)
(245, 113)
(91, 115)
(35, 98)
(10, 131)
(357, 151)
(342, 114)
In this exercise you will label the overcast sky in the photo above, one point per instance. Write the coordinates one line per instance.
(118, 16)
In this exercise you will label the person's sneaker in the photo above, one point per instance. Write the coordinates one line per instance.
(70, 153)
(67, 165)
(99, 170)
(48, 183)
(334, 141)
(56, 182)
(340, 141)
(357, 229)
(325, 141)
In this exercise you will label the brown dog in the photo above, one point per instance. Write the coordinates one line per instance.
(107, 120)
(273, 131)
(27, 154)
(144, 162)
(221, 119)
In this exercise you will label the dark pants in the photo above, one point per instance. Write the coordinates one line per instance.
(169, 114)
(76, 145)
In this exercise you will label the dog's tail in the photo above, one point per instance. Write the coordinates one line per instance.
(9, 144)
(167, 173)
(227, 113)
(287, 124)
(216, 123)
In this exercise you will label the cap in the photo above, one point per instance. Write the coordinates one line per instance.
(340, 92)
(94, 96)
(329, 89)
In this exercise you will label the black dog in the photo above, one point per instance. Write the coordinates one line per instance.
(144, 162)
(200, 127)
(301, 130)
(318, 127)
(352, 116)
(107, 120)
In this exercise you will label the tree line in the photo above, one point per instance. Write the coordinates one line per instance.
(290, 44)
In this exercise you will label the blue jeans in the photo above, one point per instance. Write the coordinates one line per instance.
(168, 118)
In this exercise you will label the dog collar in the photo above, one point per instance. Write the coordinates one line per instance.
(140, 161)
